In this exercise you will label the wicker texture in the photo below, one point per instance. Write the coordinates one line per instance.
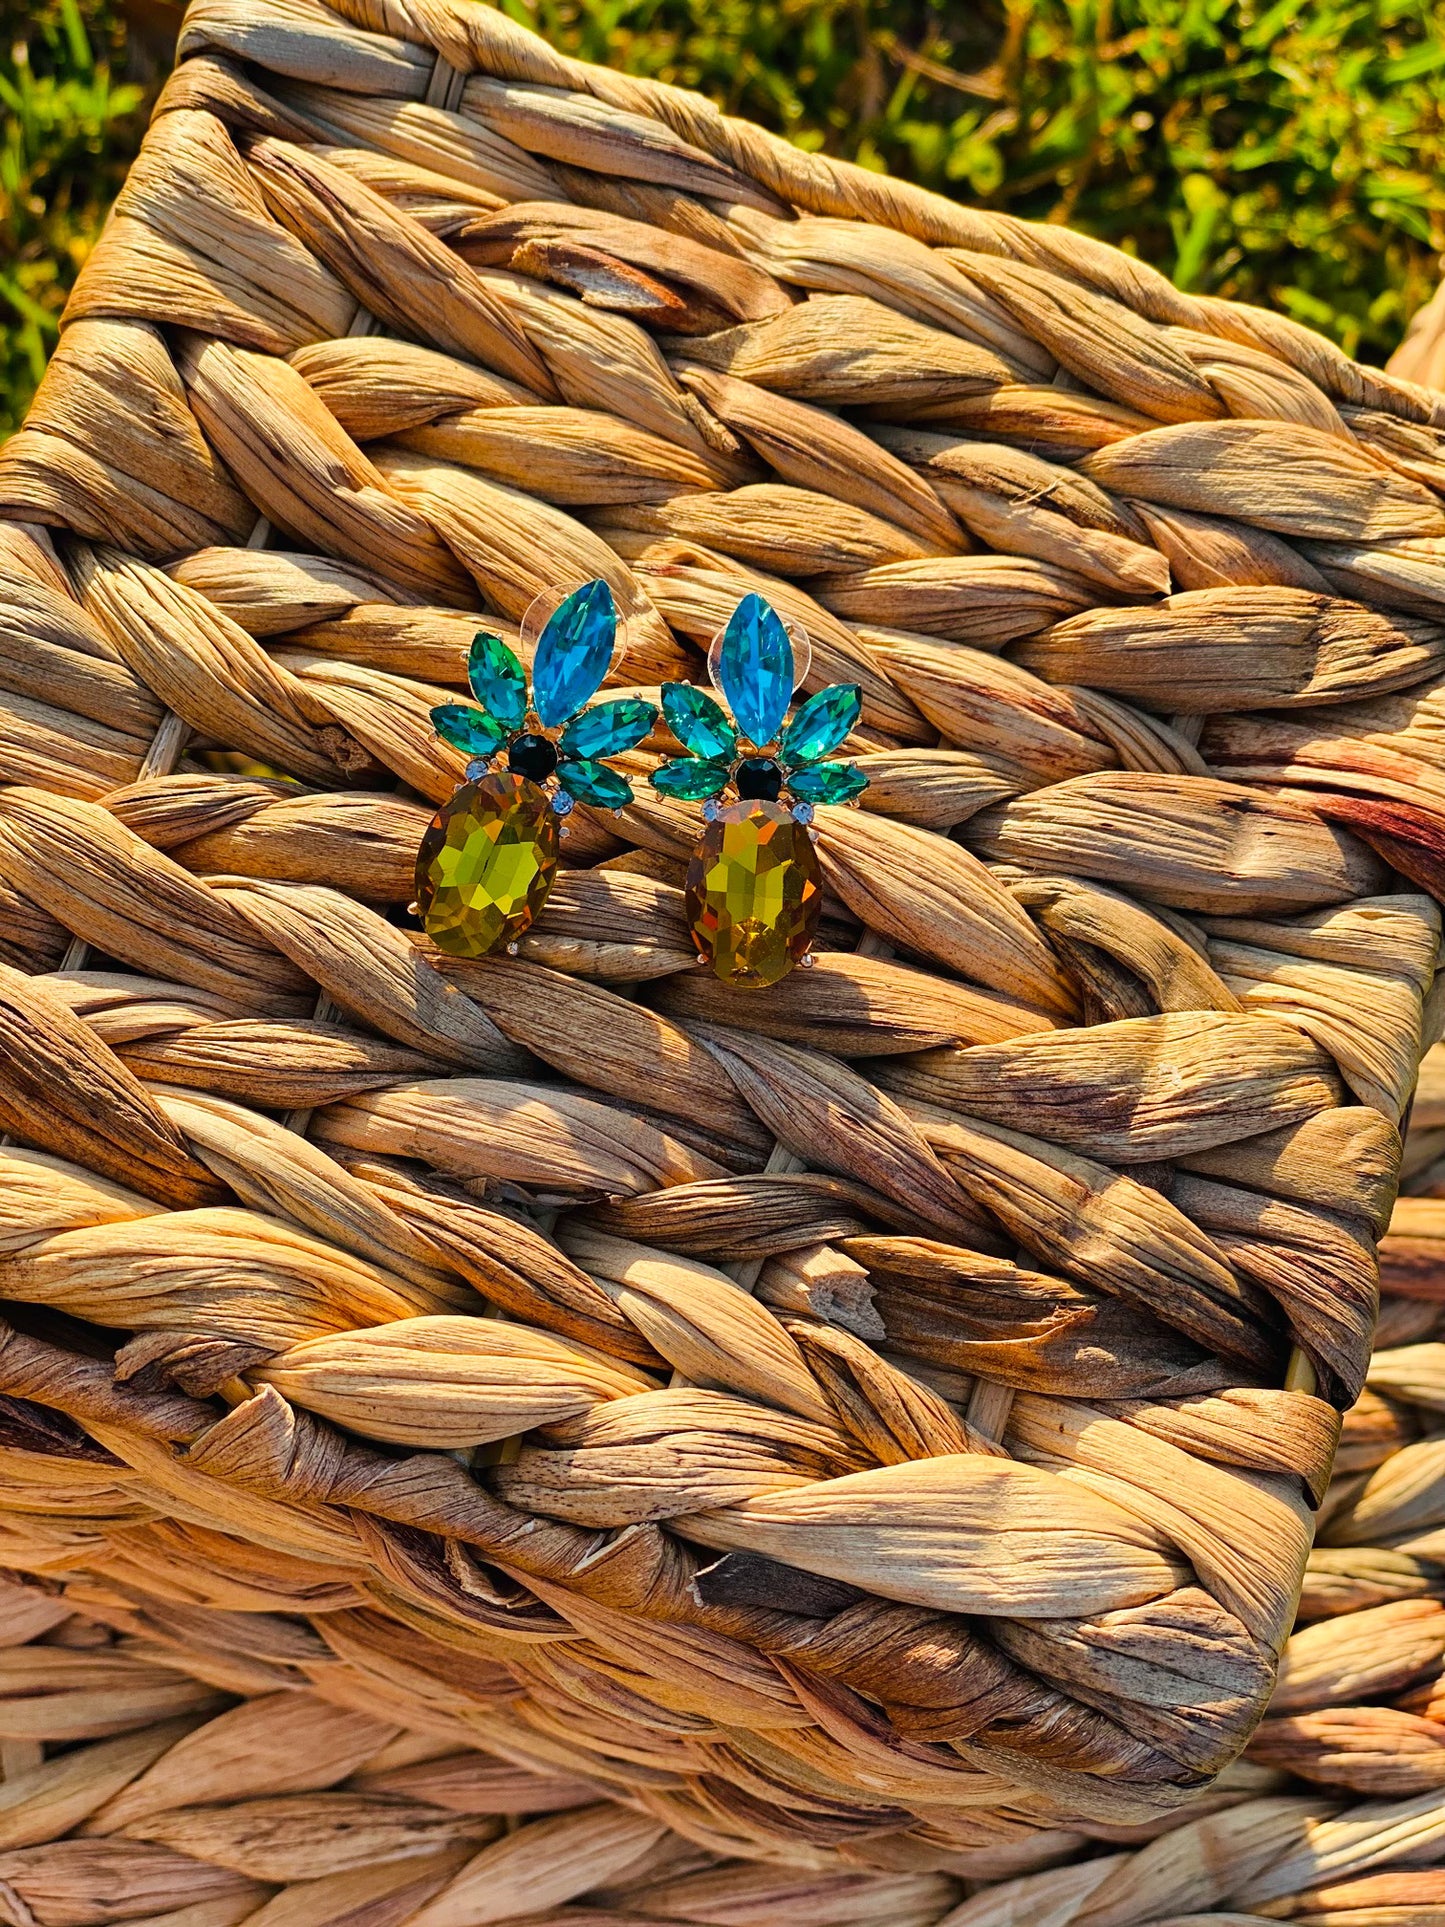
(897, 1356)
(1336, 1816)
(157, 1766)
(188, 1764)
(1420, 357)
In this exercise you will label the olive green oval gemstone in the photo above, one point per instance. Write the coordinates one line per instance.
(754, 893)
(486, 864)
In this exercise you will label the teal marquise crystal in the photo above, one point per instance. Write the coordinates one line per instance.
(755, 669)
(574, 653)
(608, 729)
(498, 680)
(470, 730)
(691, 779)
(589, 782)
(822, 723)
(828, 783)
(698, 722)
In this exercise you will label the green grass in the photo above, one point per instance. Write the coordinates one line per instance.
(1291, 154)
(69, 132)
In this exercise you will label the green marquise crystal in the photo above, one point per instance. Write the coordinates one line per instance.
(607, 729)
(498, 680)
(822, 723)
(470, 730)
(698, 722)
(589, 782)
(828, 783)
(691, 779)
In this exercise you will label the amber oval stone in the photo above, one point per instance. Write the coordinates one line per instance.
(754, 893)
(486, 864)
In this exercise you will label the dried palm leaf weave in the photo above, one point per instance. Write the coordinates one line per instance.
(1421, 355)
(1336, 1815)
(891, 1406)
(187, 1764)
(153, 1771)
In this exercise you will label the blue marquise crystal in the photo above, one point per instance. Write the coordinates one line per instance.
(608, 729)
(469, 730)
(828, 783)
(574, 653)
(589, 782)
(698, 723)
(822, 723)
(755, 669)
(497, 680)
(691, 779)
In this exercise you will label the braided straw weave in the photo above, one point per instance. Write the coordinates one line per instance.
(1420, 356)
(210, 1768)
(884, 1409)
(157, 1767)
(1336, 1817)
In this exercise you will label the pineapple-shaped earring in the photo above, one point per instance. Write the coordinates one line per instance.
(754, 888)
(489, 856)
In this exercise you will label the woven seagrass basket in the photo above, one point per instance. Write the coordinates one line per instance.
(880, 1412)
(1336, 1816)
(1420, 356)
(186, 1764)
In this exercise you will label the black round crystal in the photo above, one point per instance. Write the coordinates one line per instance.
(532, 756)
(760, 778)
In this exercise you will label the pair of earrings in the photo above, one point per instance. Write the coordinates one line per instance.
(754, 888)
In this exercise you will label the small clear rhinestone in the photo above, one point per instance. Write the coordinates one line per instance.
(802, 813)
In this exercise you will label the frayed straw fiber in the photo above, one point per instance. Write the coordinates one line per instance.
(883, 1415)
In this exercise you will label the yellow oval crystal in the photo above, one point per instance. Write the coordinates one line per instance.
(486, 864)
(754, 893)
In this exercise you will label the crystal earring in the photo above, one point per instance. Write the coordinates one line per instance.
(489, 856)
(754, 887)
